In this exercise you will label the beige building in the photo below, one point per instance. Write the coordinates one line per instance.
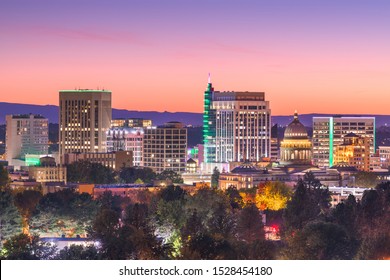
(113, 160)
(45, 174)
(47, 171)
(25, 135)
(165, 147)
(85, 117)
(355, 151)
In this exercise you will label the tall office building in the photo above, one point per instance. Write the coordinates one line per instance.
(329, 132)
(165, 147)
(243, 130)
(25, 135)
(85, 117)
(236, 126)
(209, 125)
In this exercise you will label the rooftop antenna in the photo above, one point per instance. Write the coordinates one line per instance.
(209, 80)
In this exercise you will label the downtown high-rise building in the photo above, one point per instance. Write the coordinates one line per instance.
(165, 147)
(85, 118)
(329, 133)
(26, 135)
(236, 126)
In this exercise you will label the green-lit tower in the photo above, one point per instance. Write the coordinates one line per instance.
(209, 124)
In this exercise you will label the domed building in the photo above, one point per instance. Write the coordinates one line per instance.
(296, 146)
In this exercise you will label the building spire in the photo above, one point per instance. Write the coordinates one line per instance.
(209, 80)
(295, 115)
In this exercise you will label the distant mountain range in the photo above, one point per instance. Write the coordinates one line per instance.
(51, 112)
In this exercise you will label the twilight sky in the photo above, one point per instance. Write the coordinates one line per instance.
(325, 56)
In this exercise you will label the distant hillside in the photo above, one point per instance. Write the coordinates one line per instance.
(51, 112)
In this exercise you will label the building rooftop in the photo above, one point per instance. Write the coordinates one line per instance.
(27, 116)
(247, 168)
(295, 130)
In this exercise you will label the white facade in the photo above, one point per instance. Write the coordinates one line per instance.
(26, 134)
(243, 130)
(328, 133)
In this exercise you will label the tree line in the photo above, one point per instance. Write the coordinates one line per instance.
(207, 224)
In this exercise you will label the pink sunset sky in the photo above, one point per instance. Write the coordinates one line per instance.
(313, 56)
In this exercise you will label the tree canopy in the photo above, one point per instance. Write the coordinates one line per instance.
(84, 171)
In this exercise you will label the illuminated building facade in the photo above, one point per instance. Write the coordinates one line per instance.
(127, 139)
(192, 166)
(85, 117)
(131, 122)
(384, 155)
(113, 160)
(165, 147)
(296, 146)
(274, 143)
(236, 126)
(243, 131)
(209, 125)
(355, 151)
(328, 132)
(25, 135)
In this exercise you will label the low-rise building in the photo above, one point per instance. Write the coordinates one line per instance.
(113, 160)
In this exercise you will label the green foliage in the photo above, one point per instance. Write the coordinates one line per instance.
(213, 208)
(25, 247)
(235, 198)
(257, 250)
(347, 214)
(26, 202)
(365, 179)
(137, 216)
(215, 178)
(309, 202)
(320, 241)
(132, 174)
(114, 202)
(207, 247)
(64, 212)
(371, 205)
(10, 218)
(84, 171)
(79, 252)
(4, 179)
(170, 175)
(249, 224)
(131, 239)
(375, 247)
(139, 181)
(171, 193)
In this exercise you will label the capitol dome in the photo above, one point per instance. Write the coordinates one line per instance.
(296, 146)
(295, 130)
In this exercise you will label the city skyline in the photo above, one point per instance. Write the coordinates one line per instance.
(324, 57)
